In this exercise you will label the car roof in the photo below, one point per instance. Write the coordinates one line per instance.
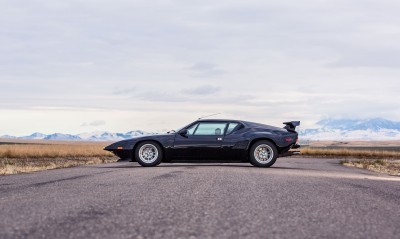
(219, 120)
(245, 123)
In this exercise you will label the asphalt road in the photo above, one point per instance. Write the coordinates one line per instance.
(297, 198)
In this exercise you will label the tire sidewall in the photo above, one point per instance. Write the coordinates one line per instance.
(253, 160)
(143, 163)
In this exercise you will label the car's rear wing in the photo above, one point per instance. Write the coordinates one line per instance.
(291, 125)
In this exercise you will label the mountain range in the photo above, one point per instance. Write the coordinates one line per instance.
(353, 129)
(93, 136)
(327, 129)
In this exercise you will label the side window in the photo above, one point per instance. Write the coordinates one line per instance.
(192, 129)
(210, 129)
(231, 127)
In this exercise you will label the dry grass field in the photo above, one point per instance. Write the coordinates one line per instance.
(27, 156)
(348, 152)
(353, 143)
(19, 156)
(379, 156)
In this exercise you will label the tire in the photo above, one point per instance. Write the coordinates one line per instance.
(266, 156)
(148, 154)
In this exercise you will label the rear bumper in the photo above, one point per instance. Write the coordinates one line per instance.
(291, 153)
(296, 146)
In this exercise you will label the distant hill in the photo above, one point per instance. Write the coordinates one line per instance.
(58, 136)
(93, 136)
(328, 129)
(353, 129)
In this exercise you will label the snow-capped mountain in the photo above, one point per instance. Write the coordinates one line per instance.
(59, 136)
(36, 136)
(106, 136)
(366, 124)
(352, 129)
(328, 129)
(93, 136)
(8, 137)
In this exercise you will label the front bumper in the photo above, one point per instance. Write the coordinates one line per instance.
(122, 154)
(119, 151)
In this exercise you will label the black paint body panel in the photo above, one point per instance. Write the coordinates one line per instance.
(232, 147)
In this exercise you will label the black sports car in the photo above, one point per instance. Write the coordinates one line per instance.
(212, 140)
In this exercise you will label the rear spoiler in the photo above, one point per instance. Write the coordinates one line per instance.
(291, 125)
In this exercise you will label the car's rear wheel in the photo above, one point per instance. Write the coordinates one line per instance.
(148, 154)
(263, 154)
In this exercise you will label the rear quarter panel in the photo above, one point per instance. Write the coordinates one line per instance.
(278, 137)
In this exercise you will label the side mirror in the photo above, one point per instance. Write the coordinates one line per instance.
(184, 132)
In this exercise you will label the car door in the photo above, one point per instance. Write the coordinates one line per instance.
(202, 141)
(233, 147)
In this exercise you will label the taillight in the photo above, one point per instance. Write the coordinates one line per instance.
(288, 139)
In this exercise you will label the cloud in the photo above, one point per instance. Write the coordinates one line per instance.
(357, 57)
(188, 94)
(253, 59)
(94, 123)
(202, 90)
(204, 69)
(124, 91)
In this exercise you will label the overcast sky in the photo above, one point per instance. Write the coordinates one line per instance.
(77, 66)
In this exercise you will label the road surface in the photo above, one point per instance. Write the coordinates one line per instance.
(297, 198)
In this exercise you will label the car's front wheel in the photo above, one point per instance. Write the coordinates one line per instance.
(263, 154)
(148, 154)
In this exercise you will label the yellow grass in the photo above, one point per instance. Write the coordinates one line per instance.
(27, 156)
(13, 166)
(349, 153)
(354, 143)
(391, 167)
(375, 160)
(52, 151)
(18, 158)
